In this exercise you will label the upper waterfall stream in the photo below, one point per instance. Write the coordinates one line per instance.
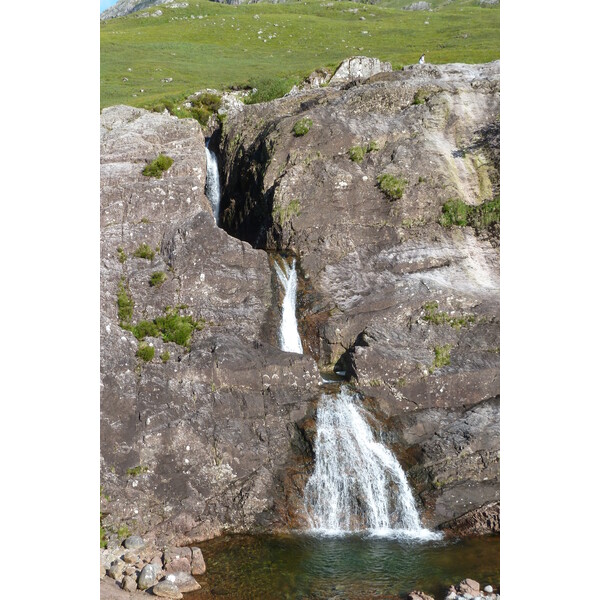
(213, 183)
(289, 338)
(357, 483)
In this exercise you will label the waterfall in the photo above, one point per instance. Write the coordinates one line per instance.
(289, 338)
(357, 483)
(213, 184)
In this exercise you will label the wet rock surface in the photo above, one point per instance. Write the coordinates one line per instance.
(407, 307)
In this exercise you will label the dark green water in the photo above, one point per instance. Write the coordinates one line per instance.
(278, 567)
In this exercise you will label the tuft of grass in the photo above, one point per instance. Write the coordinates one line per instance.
(302, 127)
(145, 352)
(171, 327)
(158, 166)
(144, 251)
(178, 329)
(124, 305)
(358, 153)
(456, 212)
(165, 356)
(123, 532)
(121, 255)
(157, 278)
(282, 214)
(145, 328)
(135, 471)
(438, 317)
(442, 357)
(420, 97)
(203, 106)
(392, 186)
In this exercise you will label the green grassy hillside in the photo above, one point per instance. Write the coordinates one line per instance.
(236, 46)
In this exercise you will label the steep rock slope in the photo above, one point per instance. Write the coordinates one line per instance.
(197, 438)
(356, 180)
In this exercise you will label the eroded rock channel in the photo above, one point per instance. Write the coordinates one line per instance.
(386, 192)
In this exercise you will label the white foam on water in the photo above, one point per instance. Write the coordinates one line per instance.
(357, 484)
(213, 183)
(289, 338)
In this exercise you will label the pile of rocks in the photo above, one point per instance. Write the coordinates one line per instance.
(467, 589)
(142, 566)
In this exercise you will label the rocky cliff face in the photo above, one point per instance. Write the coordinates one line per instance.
(356, 180)
(215, 433)
(194, 441)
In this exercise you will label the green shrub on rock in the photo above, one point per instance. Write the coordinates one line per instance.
(178, 329)
(145, 352)
(158, 166)
(358, 153)
(456, 212)
(442, 357)
(205, 105)
(144, 251)
(124, 305)
(302, 127)
(157, 278)
(145, 328)
(392, 186)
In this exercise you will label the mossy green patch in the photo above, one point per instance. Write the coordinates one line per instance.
(458, 213)
(157, 278)
(282, 214)
(438, 317)
(392, 186)
(135, 471)
(442, 357)
(158, 166)
(145, 352)
(358, 153)
(302, 126)
(124, 305)
(144, 251)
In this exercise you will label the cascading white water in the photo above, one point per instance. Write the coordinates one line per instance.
(289, 338)
(357, 483)
(213, 184)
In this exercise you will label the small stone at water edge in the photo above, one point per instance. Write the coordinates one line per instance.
(184, 581)
(488, 588)
(166, 589)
